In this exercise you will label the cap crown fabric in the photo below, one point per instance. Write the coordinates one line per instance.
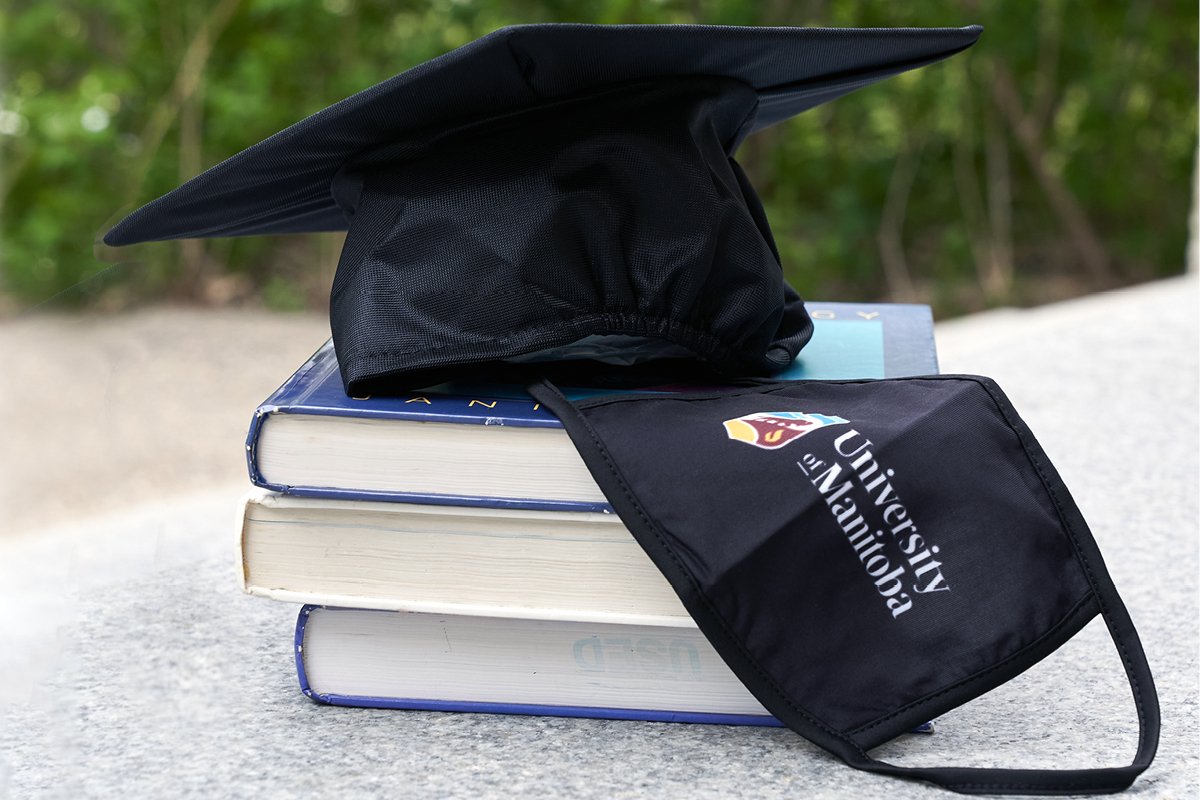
(612, 212)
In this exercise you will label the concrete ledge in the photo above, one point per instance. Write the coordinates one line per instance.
(140, 670)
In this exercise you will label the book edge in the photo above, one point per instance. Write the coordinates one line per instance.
(465, 610)
(529, 709)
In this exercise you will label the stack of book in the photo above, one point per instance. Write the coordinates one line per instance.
(452, 551)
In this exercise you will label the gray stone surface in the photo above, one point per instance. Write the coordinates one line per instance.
(99, 413)
(140, 670)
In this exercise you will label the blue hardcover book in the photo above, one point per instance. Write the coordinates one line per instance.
(560, 668)
(439, 662)
(486, 444)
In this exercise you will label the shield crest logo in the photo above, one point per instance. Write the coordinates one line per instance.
(771, 430)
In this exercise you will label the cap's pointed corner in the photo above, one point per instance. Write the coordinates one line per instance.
(114, 231)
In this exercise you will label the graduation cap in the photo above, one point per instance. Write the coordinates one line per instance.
(549, 191)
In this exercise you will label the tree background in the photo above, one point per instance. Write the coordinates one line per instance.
(1052, 159)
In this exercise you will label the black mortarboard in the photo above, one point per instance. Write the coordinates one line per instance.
(544, 185)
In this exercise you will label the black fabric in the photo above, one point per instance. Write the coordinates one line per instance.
(622, 214)
(865, 555)
(545, 184)
(282, 184)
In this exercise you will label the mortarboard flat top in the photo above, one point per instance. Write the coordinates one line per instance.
(548, 184)
(281, 185)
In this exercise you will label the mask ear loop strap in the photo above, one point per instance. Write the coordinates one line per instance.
(974, 780)
(967, 780)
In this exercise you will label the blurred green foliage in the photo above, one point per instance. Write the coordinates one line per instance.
(1053, 158)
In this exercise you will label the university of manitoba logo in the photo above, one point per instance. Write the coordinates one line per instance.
(771, 430)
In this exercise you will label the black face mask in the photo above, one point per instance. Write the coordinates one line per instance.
(865, 555)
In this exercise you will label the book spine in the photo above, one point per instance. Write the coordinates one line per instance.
(301, 622)
(294, 390)
(243, 510)
(252, 450)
